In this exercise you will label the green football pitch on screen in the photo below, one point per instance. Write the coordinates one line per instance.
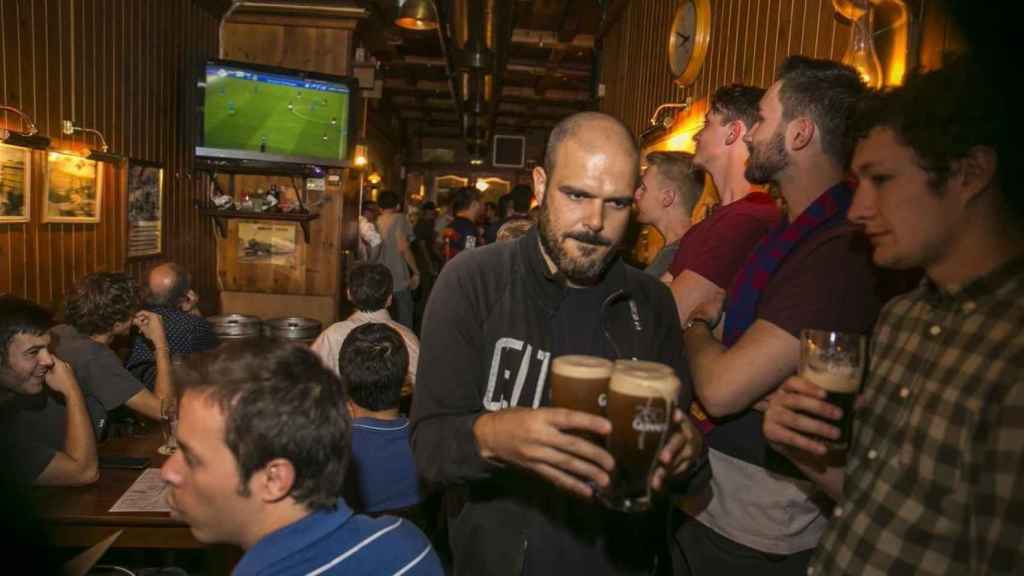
(245, 114)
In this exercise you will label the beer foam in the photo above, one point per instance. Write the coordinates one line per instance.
(845, 380)
(581, 366)
(648, 379)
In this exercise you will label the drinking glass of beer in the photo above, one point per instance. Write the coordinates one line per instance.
(168, 424)
(835, 362)
(641, 397)
(580, 383)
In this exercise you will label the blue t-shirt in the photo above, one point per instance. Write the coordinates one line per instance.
(383, 466)
(341, 542)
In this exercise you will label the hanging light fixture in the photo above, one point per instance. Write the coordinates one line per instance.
(861, 54)
(417, 15)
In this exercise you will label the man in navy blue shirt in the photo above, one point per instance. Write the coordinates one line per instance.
(373, 362)
(263, 438)
(171, 296)
(463, 233)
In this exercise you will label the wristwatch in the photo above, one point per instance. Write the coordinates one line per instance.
(689, 324)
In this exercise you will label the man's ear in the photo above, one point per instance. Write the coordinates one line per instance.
(274, 482)
(540, 183)
(735, 133)
(668, 196)
(976, 172)
(800, 133)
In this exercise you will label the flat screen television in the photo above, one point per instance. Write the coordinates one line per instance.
(259, 114)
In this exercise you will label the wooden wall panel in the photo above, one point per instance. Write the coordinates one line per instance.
(126, 68)
(749, 39)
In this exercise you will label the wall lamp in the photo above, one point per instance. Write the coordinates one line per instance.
(103, 154)
(28, 138)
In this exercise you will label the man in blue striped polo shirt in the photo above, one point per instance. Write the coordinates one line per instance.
(263, 441)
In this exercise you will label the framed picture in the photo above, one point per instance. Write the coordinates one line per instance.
(15, 185)
(73, 189)
(145, 208)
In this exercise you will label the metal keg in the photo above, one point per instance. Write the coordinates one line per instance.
(236, 326)
(292, 328)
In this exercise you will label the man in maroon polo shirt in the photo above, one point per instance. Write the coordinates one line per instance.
(713, 250)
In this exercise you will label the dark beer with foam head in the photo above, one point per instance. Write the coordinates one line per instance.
(835, 362)
(641, 397)
(580, 383)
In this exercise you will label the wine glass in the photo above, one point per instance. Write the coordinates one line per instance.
(168, 425)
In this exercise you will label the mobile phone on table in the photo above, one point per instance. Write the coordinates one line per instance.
(129, 462)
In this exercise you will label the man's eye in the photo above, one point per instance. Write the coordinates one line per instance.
(575, 196)
(621, 203)
(880, 179)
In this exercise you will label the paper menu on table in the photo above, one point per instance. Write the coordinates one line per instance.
(146, 494)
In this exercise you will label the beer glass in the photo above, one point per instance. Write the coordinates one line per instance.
(580, 383)
(168, 425)
(835, 362)
(641, 397)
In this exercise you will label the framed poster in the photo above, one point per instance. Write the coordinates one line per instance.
(15, 185)
(73, 189)
(266, 243)
(145, 209)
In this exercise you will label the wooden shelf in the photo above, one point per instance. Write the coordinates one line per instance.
(220, 218)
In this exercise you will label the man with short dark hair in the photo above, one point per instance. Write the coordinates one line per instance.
(463, 233)
(170, 295)
(713, 250)
(263, 442)
(933, 482)
(668, 191)
(26, 364)
(100, 307)
(516, 218)
(812, 270)
(397, 255)
(369, 290)
(373, 362)
(520, 479)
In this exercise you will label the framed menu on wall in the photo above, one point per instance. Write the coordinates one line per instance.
(145, 209)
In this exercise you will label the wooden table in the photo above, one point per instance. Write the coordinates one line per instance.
(79, 516)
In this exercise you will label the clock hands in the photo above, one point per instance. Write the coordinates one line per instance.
(684, 39)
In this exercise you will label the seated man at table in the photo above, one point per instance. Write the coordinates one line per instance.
(372, 363)
(263, 438)
(100, 307)
(170, 295)
(369, 290)
(26, 364)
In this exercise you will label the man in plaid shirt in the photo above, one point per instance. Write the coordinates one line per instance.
(934, 478)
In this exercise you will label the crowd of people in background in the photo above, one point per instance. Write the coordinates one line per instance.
(890, 214)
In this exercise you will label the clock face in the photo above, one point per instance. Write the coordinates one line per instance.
(688, 40)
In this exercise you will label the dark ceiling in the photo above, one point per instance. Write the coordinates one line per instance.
(541, 68)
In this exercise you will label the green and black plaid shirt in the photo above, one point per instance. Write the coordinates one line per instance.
(935, 474)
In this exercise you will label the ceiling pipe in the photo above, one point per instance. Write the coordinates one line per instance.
(444, 38)
(506, 15)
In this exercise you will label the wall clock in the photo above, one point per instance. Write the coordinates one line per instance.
(688, 40)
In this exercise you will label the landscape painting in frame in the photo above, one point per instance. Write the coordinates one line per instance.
(15, 167)
(73, 189)
(145, 209)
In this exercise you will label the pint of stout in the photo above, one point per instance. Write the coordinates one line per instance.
(580, 383)
(835, 362)
(641, 397)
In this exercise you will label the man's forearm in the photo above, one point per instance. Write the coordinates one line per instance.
(408, 257)
(79, 440)
(703, 352)
(164, 386)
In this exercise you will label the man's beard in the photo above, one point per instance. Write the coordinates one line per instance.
(579, 272)
(765, 163)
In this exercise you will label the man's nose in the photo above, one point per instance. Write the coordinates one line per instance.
(594, 219)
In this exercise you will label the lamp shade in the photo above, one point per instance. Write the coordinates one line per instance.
(417, 15)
